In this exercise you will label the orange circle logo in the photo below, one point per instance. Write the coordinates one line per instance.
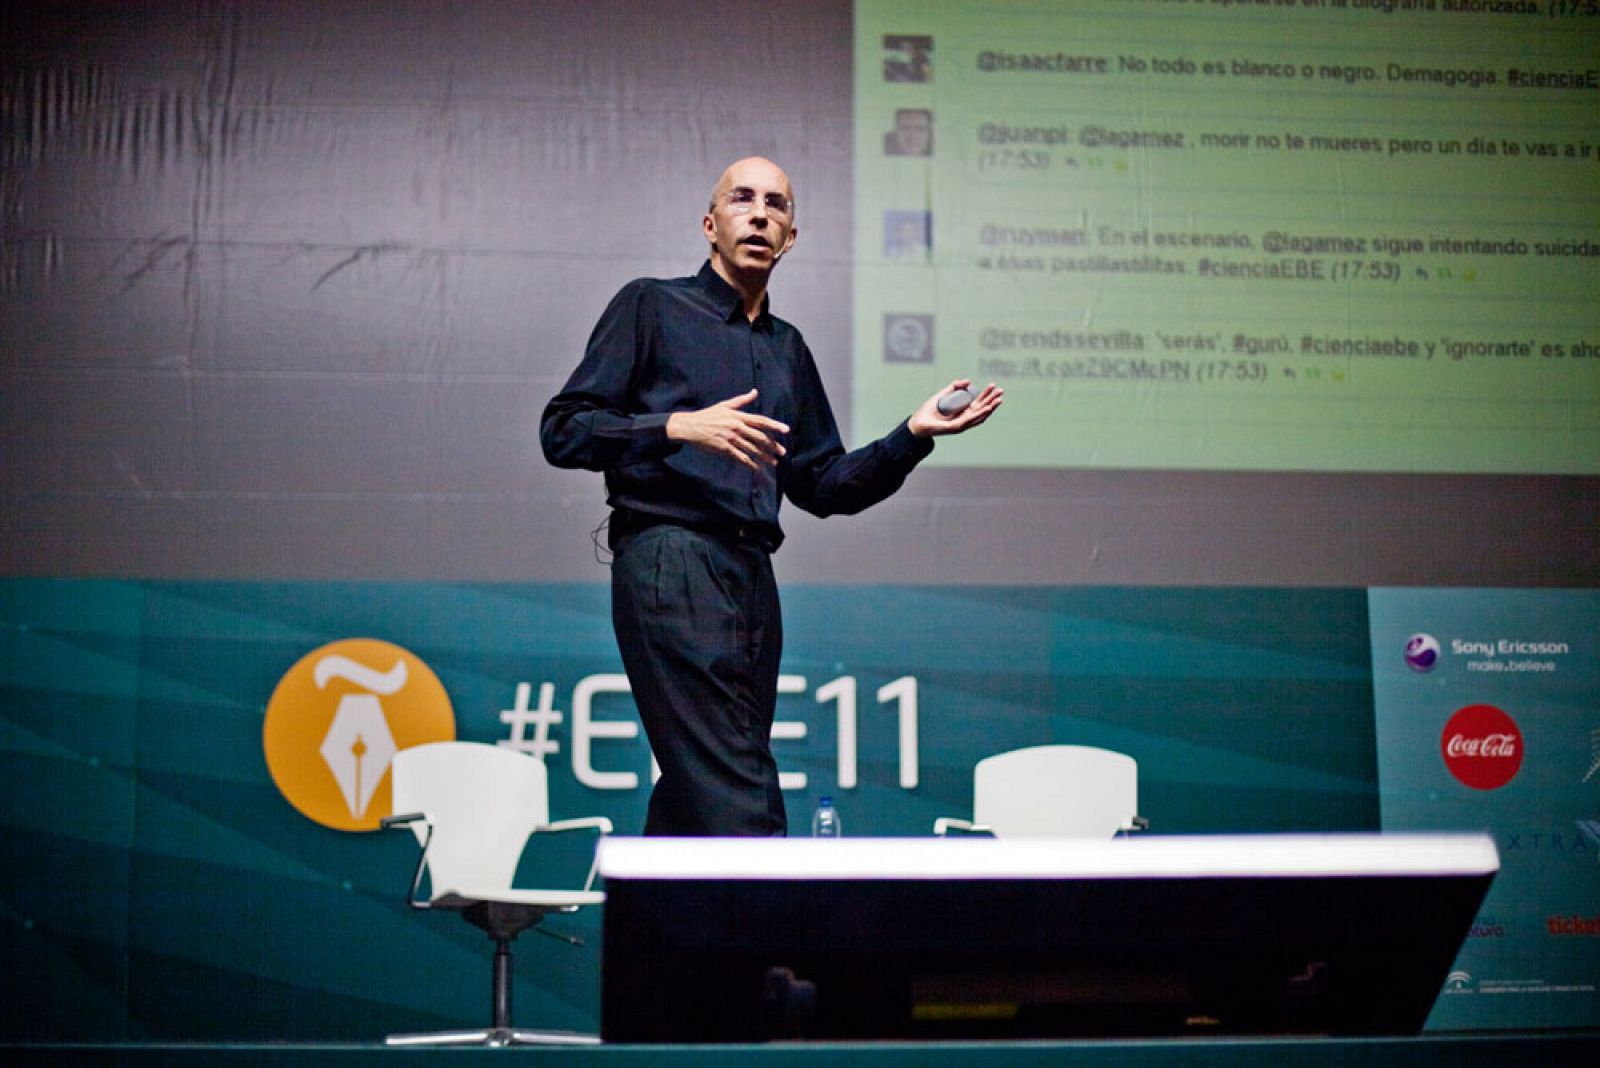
(337, 719)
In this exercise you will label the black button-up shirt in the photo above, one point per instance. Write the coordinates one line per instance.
(682, 344)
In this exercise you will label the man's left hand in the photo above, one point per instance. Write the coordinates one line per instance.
(928, 421)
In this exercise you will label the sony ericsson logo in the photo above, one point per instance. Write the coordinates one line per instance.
(336, 720)
(1422, 652)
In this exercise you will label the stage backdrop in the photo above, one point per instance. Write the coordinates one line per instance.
(1291, 301)
(192, 854)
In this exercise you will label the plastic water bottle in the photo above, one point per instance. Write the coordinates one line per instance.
(825, 820)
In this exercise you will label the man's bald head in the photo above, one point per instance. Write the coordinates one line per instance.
(752, 169)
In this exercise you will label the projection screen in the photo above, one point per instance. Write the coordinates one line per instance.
(1280, 294)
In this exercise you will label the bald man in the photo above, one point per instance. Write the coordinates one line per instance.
(704, 411)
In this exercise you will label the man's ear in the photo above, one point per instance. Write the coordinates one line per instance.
(708, 226)
(787, 244)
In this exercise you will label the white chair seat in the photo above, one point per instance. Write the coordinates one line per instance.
(555, 900)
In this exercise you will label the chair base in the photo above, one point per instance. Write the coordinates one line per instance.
(494, 1036)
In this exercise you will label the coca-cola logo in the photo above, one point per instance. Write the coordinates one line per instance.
(1482, 747)
(1490, 745)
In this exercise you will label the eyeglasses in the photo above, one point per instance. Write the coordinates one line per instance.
(743, 202)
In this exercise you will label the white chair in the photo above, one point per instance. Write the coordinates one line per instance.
(473, 808)
(1052, 791)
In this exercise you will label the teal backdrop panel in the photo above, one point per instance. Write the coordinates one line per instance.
(1487, 720)
(158, 885)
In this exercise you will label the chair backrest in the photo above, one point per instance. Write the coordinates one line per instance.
(1072, 791)
(482, 801)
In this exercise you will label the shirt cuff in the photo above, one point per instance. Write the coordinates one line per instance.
(651, 425)
(902, 442)
(647, 438)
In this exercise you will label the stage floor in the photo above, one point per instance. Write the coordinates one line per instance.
(1455, 1051)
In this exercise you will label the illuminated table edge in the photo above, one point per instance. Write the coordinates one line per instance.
(1152, 856)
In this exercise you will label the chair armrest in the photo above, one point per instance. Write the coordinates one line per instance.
(401, 820)
(599, 823)
(1137, 823)
(596, 823)
(945, 824)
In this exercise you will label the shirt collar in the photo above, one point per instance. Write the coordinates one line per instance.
(726, 299)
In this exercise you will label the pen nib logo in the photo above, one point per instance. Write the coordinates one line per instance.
(337, 718)
(359, 744)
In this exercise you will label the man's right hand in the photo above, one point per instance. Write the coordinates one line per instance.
(725, 429)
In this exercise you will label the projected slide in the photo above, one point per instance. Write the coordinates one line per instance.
(1220, 234)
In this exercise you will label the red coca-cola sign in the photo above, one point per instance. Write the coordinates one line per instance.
(1482, 747)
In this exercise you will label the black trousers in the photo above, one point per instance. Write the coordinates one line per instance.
(700, 629)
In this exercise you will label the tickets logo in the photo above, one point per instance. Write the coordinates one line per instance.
(1482, 747)
(336, 720)
(1567, 926)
